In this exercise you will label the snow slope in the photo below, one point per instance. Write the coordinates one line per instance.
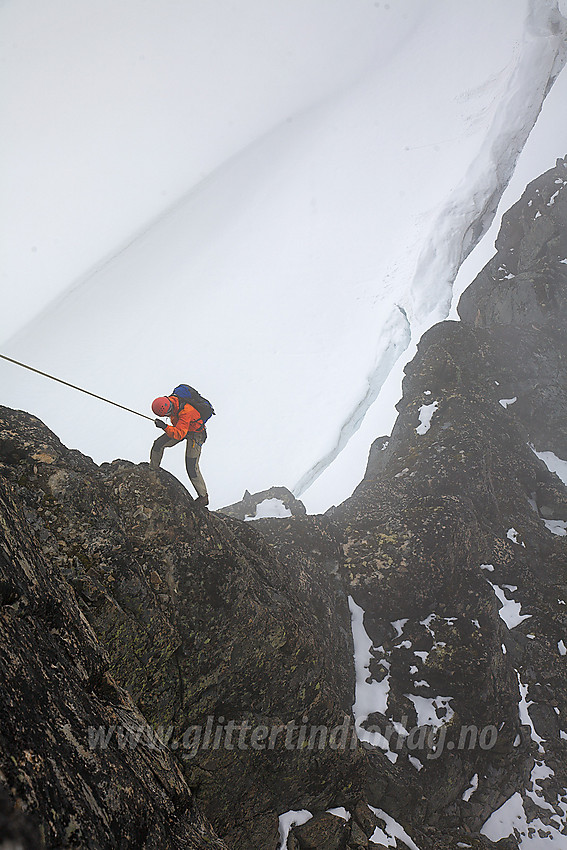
(274, 210)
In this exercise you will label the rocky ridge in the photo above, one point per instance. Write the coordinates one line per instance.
(197, 620)
(455, 540)
(56, 689)
(445, 576)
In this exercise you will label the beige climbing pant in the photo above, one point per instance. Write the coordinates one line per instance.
(195, 440)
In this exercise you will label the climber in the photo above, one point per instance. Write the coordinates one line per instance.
(187, 423)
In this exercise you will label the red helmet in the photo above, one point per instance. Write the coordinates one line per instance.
(161, 406)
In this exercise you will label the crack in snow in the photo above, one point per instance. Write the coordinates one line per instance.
(398, 337)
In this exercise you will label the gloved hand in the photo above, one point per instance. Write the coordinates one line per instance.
(159, 424)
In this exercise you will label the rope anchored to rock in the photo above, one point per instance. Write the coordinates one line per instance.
(80, 389)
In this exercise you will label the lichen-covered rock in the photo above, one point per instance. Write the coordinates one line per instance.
(453, 542)
(324, 830)
(213, 636)
(59, 788)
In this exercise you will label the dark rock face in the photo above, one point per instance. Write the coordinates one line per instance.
(449, 540)
(227, 647)
(524, 283)
(247, 507)
(212, 636)
(57, 692)
(521, 295)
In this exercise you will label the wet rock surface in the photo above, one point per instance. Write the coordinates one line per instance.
(444, 575)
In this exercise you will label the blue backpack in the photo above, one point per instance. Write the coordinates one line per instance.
(189, 395)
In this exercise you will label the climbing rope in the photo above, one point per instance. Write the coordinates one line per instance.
(80, 389)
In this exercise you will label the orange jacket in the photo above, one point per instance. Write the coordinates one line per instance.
(182, 422)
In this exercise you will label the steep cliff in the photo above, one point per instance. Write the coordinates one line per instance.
(56, 790)
(149, 648)
(454, 553)
(455, 540)
(200, 624)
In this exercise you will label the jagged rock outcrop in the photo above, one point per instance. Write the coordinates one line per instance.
(203, 626)
(56, 692)
(454, 540)
(453, 546)
(123, 604)
(275, 498)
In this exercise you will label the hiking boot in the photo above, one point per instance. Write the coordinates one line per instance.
(201, 501)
